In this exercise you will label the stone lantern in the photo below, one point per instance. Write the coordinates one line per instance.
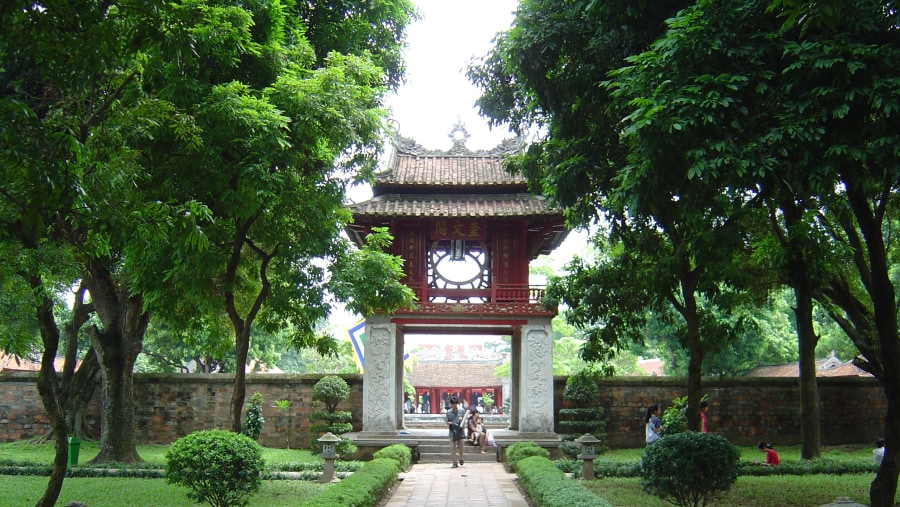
(588, 443)
(328, 442)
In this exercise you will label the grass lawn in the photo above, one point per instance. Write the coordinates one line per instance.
(780, 490)
(789, 453)
(18, 491)
(152, 454)
(776, 490)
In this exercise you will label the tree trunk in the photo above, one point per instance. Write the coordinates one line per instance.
(242, 326)
(78, 386)
(810, 433)
(691, 314)
(875, 270)
(81, 390)
(695, 363)
(117, 424)
(884, 487)
(117, 346)
(242, 347)
(801, 281)
(46, 385)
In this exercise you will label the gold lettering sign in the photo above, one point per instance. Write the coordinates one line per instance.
(458, 229)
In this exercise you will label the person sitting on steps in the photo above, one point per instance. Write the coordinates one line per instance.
(477, 432)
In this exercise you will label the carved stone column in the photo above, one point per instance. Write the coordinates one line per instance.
(515, 368)
(381, 398)
(535, 413)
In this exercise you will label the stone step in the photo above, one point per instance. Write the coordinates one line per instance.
(471, 455)
(431, 448)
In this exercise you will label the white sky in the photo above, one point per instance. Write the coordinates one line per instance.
(437, 91)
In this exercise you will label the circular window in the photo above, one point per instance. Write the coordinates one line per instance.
(458, 264)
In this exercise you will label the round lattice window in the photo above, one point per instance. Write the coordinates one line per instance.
(458, 264)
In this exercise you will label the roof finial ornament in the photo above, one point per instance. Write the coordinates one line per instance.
(460, 135)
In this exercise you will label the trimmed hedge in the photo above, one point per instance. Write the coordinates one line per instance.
(314, 466)
(364, 488)
(397, 452)
(631, 469)
(521, 450)
(548, 486)
(311, 471)
(817, 466)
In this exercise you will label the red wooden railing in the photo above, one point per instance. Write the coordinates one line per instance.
(498, 293)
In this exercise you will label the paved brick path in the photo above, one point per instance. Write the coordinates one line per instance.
(439, 485)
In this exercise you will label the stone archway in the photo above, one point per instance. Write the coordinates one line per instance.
(531, 397)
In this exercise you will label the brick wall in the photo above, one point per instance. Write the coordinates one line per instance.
(169, 406)
(744, 410)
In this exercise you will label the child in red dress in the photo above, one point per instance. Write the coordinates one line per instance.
(771, 455)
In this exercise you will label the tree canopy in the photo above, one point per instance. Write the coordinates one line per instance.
(182, 159)
(790, 122)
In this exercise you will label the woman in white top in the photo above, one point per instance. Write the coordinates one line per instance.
(653, 425)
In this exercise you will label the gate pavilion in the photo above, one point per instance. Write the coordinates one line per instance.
(466, 230)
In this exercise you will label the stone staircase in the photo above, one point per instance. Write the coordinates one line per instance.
(438, 451)
(434, 447)
(427, 436)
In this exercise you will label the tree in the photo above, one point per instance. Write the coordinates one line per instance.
(275, 194)
(544, 71)
(801, 118)
(311, 361)
(108, 113)
(74, 191)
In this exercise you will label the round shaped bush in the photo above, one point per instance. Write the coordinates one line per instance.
(689, 469)
(331, 391)
(219, 467)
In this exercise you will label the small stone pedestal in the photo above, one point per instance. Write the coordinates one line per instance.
(843, 502)
(328, 441)
(588, 454)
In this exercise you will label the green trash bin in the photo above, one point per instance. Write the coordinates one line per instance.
(74, 447)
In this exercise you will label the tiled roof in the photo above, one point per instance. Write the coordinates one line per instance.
(450, 205)
(9, 362)
(830, 367)
(448, 171)
(453, 374)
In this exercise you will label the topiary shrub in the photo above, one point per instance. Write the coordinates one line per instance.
(521, 450)
(689, 469)
(330, 391)
(253, 419)
(584, 416)
(219, 467)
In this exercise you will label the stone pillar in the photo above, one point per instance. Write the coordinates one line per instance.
(398, 375)
(381, 398)
(515, 366)
(536, 378)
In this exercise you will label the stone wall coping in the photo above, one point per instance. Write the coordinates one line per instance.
(255, 378)
(713, 382)
(353, 378)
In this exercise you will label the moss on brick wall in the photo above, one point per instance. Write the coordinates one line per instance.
(744, 410)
